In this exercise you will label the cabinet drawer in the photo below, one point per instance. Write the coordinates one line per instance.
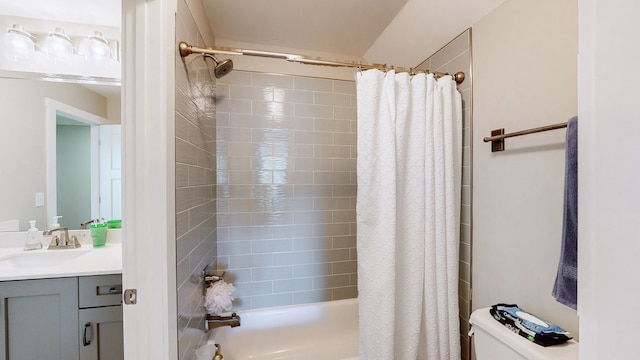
(102, 290)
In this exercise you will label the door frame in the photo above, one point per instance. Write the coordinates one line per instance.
(53, 108)
(148, 133)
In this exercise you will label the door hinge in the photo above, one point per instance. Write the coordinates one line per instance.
(130, 296)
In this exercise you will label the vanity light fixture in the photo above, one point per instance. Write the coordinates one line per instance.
(18, 44)
(56, 54)
(58, 46)
(95, 48)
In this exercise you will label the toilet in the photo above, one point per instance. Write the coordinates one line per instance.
(493, 341)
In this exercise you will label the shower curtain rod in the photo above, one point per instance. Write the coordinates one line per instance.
(186, 50)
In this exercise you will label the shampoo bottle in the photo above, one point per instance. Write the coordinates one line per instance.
(33, 237)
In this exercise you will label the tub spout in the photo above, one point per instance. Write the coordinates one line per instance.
(214, 321)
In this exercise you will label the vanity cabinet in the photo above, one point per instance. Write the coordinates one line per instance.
(100, 317)
(39, 319)
(62, 319)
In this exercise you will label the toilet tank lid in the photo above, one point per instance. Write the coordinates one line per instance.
(482, 320)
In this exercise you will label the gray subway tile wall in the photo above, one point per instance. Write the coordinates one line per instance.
(195, 156)
(286, 177)
(454, 57)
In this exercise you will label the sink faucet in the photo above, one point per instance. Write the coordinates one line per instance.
(85, 224)
(215, 321)
(62, 240)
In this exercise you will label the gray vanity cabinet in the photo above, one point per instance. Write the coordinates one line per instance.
(100, 317)
(62, 319)
(39, 319)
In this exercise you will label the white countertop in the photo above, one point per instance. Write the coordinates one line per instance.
(17, 264)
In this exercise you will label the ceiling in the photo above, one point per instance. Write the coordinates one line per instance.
(336, 26)
(91, 12)
(377, 30)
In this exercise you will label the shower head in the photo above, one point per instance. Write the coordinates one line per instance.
(222, 67)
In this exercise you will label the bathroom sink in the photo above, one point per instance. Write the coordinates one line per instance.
(41, 258)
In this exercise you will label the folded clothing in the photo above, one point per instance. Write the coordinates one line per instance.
(528, 325)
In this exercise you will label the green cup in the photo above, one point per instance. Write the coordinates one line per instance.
(98, 234)
(114, 224)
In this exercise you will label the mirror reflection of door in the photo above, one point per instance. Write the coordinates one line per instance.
(110, 171)
(73, 171)
(88, 171)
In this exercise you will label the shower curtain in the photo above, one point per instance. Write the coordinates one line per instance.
(408, 205)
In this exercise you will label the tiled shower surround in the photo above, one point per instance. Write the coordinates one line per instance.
(287, 185)
(286, 193)
(195, 158)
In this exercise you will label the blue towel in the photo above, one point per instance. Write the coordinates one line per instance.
(565, 289)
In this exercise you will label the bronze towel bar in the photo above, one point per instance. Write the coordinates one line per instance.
(497, 136)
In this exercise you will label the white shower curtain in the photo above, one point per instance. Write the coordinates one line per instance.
(409, 168)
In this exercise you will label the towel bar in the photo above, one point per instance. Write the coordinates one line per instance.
(497, 136)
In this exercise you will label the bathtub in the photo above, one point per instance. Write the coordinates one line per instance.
(326, 330)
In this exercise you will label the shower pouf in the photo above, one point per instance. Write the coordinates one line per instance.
(219, 297)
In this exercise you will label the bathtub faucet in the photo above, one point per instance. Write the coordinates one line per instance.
(214, 321)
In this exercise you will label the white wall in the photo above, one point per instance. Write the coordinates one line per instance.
(23, 141)
(609, 224)
(114, 111)
(524, 68)
(410, 37)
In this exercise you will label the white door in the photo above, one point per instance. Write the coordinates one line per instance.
(149, 246)
(110, 172)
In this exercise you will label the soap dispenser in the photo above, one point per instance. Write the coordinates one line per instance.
(55, 222)
(33, 241)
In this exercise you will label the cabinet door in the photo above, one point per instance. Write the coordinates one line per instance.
(38, 319)
(101, 333)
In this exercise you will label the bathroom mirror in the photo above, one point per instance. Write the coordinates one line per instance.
(51, 156)
(42, 109)
(83, 159)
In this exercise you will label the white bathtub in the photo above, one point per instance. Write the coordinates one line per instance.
(326, 330)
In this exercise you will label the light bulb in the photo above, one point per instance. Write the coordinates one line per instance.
(18, 44)
(96, 49)
(58, 46)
